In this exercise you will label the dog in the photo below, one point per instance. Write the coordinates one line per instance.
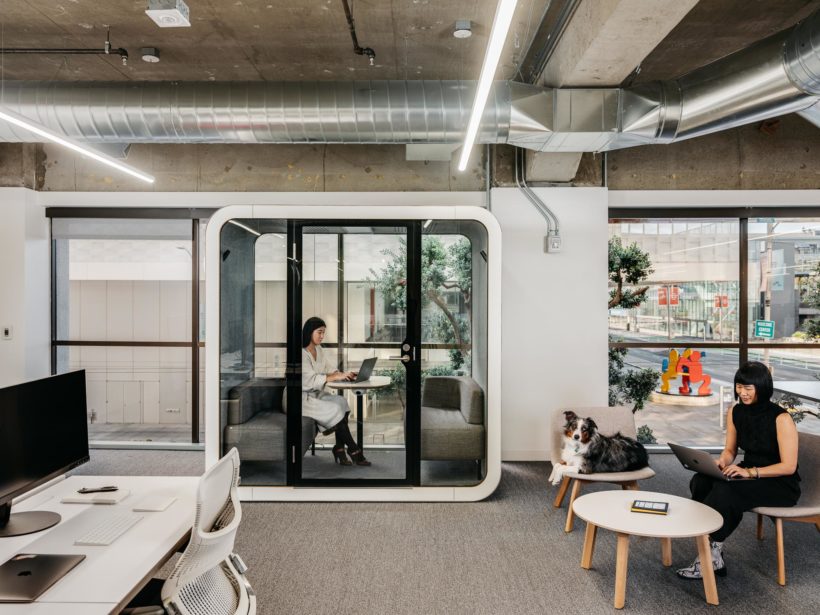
(587, 451)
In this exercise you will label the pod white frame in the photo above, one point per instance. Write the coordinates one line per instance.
(493, 392)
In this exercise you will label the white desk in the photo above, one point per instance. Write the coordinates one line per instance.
(108, 577)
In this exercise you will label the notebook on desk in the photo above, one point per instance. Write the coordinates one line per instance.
(27, 575)
(103, 497)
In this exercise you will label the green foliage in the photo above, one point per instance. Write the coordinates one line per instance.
(646, 435)
(638, 386)
(442, 269)
(792, 404)
(398, 377)
(810, 292)
(627, 265)
(812, 328)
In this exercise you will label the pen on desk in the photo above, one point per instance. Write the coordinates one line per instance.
(98, 489)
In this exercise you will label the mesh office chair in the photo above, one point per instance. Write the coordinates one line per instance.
(209, 578)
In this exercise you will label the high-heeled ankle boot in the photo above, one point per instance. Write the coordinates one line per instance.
(340, 457)
(358, 458)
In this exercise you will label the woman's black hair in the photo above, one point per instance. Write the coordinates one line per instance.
(757, 374)
(311, 324)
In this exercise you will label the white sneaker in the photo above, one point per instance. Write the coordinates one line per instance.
(693, 571)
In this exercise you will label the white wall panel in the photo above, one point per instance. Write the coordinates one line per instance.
(120, 310)
(132, 402)
(554, 316)
(150, 401)
(93, 312)
(114, 402)
(146, 310)
(95, 391)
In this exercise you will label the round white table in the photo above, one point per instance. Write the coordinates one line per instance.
(360, 389)
(685, 519)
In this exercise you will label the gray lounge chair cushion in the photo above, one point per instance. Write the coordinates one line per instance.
(457, 393)
(445, 435)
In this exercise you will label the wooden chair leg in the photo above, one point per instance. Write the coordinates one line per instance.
(760, 527)
(708, 572)
(632, 486)
(562, 491)
(781, 557)
(576, 487)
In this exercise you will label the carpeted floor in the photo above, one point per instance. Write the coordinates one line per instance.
(507, 554)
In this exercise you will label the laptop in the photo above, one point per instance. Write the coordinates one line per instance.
(365, 370)
(27, 575)
(699, 461)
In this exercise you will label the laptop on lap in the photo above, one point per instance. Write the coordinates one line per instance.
(699, 461)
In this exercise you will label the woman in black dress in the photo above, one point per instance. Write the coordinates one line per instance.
(768, 437)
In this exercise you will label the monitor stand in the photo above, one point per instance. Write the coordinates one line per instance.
(22, 523)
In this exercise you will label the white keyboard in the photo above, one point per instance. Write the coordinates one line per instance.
(108, 530)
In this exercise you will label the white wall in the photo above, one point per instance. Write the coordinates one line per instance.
(554, 317)
(24, 287)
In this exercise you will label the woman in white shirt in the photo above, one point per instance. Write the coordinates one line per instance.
(327, 409)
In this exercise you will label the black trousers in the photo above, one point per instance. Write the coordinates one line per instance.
(732, 498)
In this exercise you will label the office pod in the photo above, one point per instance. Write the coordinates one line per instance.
(357, 351)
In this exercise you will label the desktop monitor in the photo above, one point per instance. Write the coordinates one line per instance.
(43, 433)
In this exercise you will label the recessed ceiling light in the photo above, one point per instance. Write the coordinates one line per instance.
(150, 54)
(463, 29)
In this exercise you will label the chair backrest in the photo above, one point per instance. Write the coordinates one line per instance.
(199, 583)
(808, 458)
(455, 393)
(609, 421)
(254, 396)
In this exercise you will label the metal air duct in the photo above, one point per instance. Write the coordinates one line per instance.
(778, 75)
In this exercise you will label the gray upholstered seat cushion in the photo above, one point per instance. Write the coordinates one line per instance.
(445, 435)
(788, 511)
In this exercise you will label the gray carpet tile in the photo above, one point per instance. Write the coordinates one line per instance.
(507, 554)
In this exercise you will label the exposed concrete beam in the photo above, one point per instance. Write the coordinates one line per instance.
(601, 46)
(607, 39)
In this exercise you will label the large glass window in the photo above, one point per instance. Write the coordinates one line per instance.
(681, 304)
(122, 310)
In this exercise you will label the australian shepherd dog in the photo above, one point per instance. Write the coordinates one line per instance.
(588, 452)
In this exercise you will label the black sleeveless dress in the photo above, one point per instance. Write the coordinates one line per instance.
(756, 426)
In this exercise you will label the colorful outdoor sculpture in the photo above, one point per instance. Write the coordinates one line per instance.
(687, 365)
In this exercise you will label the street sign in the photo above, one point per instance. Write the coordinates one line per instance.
(662, 295)
(674, 295)
(764, 328)
(721, 301)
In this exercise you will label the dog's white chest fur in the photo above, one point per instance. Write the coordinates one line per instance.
(572, 456)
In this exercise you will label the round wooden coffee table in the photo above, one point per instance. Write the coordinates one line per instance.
(686, 519)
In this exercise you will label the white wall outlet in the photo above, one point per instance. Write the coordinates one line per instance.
(552, 244)
(8, 333)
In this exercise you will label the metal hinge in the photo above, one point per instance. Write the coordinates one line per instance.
(293, 453)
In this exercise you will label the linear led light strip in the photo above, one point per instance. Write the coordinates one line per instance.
(501, 25)
(23, 122)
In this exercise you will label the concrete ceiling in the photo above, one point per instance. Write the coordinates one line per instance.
(716, 28)
(250, 40)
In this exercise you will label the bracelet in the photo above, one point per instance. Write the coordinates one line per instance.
(757, 473)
